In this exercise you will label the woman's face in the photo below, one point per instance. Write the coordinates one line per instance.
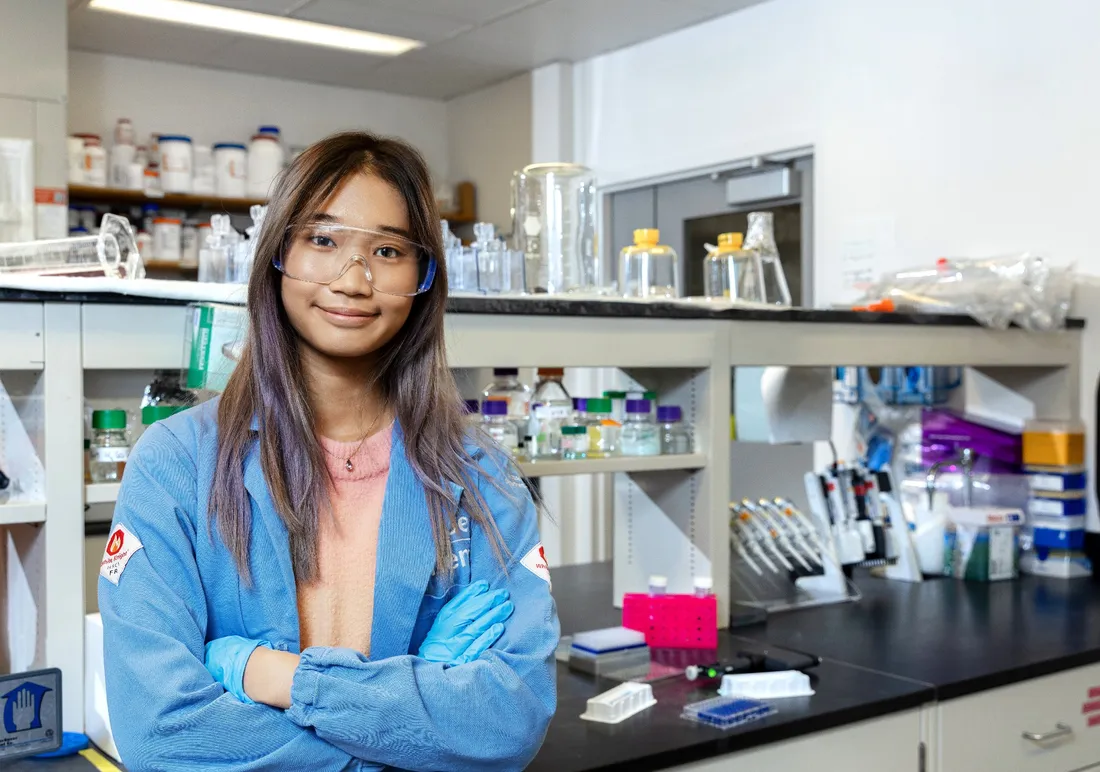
(348, 318)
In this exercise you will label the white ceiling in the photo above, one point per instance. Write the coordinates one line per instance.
(469, 43)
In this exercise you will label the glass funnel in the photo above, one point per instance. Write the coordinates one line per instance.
(554, 224)
(112, 253)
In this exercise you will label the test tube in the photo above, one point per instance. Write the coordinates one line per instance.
(658, 585)
(704, 586)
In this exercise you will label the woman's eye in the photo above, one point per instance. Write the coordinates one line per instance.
(389, 252)
(318, 240)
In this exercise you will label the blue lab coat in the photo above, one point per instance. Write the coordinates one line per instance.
(349, 712)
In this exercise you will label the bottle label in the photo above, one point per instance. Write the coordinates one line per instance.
(503, 435)
(110, 455)
(552, 412)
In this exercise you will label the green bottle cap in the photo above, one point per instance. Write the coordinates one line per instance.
(651, 396)
(599, 405)
(150, 414)
(571, 430)
(108, 419)
(615, 394)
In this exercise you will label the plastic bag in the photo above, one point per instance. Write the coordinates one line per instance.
(1023, 289)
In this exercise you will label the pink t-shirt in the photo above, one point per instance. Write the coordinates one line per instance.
(337, 608)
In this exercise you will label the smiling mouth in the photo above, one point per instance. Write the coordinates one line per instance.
(348, 317)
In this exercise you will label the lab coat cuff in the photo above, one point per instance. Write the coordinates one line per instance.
(304, 689)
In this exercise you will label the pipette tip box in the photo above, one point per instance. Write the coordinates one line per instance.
(673, 621)
(620, 703)
(612, 649)
(726, 712)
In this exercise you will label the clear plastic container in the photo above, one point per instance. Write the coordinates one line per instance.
(703, 587)
(551, 409)
(675, 436)
(618, 704)
(574, 442)
(603, 431)
(648, 269)
(732, 273)
(110, 446)
(494, 414)
(639, 432)
(618, 404)
(766, 686)
(658, 584)
(554, 211)
(506, 387)
(761, 240)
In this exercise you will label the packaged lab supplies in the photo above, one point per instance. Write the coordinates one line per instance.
(213, 338)
(1054, 443)
(1057, 481)
(983, 553)
(1056, 507)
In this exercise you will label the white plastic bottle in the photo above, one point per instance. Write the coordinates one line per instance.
(95, 162)
(265, 161)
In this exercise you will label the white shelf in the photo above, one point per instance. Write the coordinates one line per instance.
(617, 464)
(16, 514)
(101, 493)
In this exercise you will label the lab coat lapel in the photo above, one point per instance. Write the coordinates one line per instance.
(278, 548)
(406, 556)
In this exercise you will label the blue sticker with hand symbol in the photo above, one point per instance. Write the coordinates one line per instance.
(30, 713)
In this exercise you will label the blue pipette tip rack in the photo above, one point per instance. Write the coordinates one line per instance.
(726, 712)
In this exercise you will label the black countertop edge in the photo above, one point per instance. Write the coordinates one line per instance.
(763, 734)
(1015, 675)
(569, 307)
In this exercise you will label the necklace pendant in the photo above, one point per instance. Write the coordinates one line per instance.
(349, 466)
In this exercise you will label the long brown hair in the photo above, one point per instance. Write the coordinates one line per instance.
(412, 375)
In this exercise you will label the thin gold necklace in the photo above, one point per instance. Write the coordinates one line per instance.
(347, 462)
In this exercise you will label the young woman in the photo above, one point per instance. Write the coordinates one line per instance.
(325, 570)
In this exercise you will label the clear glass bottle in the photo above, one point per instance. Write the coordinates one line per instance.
(580, 410)
(675, 436)
(760, 238)
(639, 433)
(551, 408)
(733, 273)
(165, 391)
(494, 416)
(618, 404)
(506, 387)
(110, 446)
(648, 269)
(603, 431)
(574, 442)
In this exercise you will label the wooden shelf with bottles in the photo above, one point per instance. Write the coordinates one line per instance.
(87, 194)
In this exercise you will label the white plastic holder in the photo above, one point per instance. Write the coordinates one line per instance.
(618, 704)
(766, 686)
(908, 565)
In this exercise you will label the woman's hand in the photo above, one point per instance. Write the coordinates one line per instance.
(467, 625)
(251, 671)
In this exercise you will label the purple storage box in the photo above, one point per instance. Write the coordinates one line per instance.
(944, 435)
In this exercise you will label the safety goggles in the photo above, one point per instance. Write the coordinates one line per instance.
(320, 253)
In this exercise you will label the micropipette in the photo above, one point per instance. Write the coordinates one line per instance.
(793, 529)
(765, 535)
(739, 548)
(750, 540)
(777, 529)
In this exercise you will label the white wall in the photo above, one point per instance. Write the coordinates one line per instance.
(489, 137)
(214, 105)
(959, 127)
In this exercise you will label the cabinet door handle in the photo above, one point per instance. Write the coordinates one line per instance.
(1060, 730)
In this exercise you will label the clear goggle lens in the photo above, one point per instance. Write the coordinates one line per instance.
(320, 253)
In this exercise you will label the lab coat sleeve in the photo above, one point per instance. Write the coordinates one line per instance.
(167, 712)
(490, 714)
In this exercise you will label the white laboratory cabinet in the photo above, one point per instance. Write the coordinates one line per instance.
(889, 743)
(985, 731)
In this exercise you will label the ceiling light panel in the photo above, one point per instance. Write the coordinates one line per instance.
(264, 25)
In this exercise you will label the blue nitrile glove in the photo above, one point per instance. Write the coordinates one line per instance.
(226, 659)
(467, 625)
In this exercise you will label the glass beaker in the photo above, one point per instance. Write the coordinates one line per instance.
(554, 224)
(648, 269)
(761, 239)
(733, 273)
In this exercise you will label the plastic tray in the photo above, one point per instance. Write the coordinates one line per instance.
(620, 703)
(777, 685)
(726, 712)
